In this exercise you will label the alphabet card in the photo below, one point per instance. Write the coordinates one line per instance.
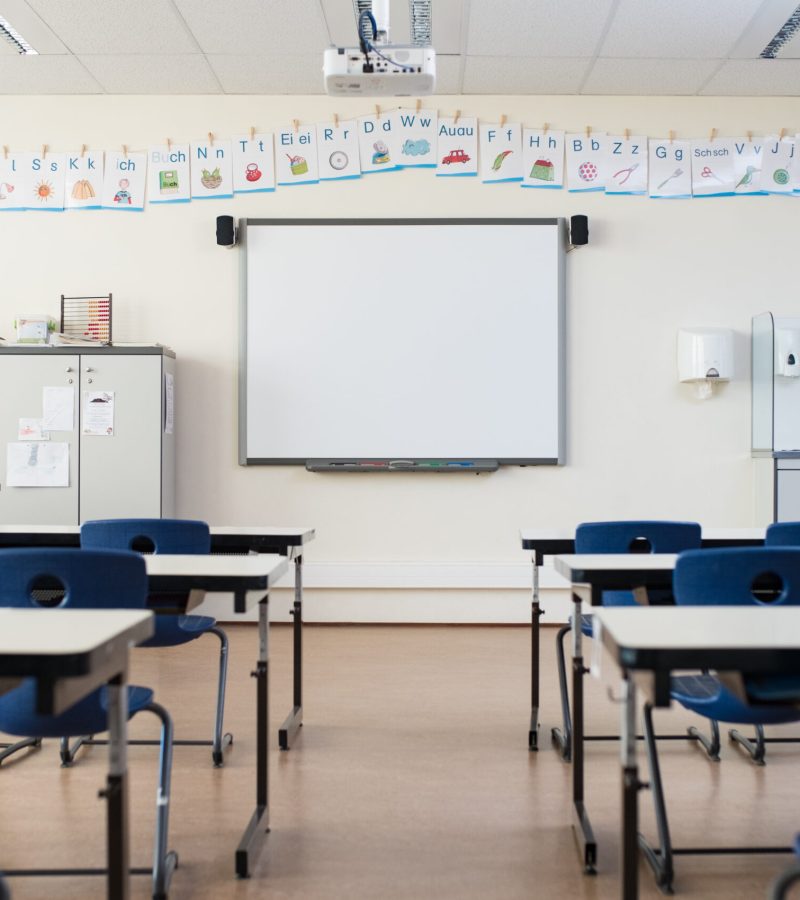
(124, 181)
(14, 180)
(626, 164)
(296, 155)
(670, 172)
(253, 163)
(417, 138)
(777, 162)
(501, 152)
(84, 179)
(211, 170)
(586, 161)
(168, 174)
(712, 168)
(457, 147)
(377, 143)
(747, 162)
(337, 150)
(542, 158)
(46, 190)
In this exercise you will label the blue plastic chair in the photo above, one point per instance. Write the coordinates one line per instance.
(781, 885)
(165, 536)
(636, 536)
(78, 579)
(760, 576)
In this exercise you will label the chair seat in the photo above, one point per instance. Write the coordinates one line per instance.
(705, 695)
(775, 689)
(18, 714)
(173, 630)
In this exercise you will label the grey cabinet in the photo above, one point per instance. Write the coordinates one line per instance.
(787, 490)
(129, 473)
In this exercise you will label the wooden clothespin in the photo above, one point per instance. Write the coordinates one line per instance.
(252, 132)
(782, 134)
(336, 120)
(712, 135)
(671, 136)
(125, 150)
(588, 132)
(83, 150)
(377, 111)
(627, 134)
(296, 123)
(5, 151)
(544, 130)
(44, 151)
(749, 137)
(419, 106)
(502, 120)
(456, 117)
(169, 145)
(211, 138)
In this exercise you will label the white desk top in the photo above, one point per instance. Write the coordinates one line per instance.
(63, 632)
(573, 565)
(702, 627)
(303, 531)
(532, 535)
(212, 565)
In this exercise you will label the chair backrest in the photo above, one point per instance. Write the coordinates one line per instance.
(637, 537)
(738, 576)
(147, 535)
(783, 534)
(69, 577)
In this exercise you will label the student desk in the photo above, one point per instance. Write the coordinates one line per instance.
(69, 663)
(650, 644)
(550, 542)
(284, 540)
(240, 576)
(591, 574)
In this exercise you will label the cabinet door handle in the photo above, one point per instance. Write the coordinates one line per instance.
(69, 368)
(89, 369)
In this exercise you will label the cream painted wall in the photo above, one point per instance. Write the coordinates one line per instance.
(639, 444)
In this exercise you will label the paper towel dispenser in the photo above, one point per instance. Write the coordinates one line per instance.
(705, 356)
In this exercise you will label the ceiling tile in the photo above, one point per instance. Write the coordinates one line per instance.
(648, 76)
(498, 75)
(139, 74)
(116, 26)
(756, 78)
(45, 75)
(542, 28)
(448, 74)
(679, 29)
(257, 26)
(259, 74)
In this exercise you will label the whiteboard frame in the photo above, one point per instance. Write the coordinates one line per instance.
(563, 243)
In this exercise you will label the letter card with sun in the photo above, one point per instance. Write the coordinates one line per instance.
(253, 163)
(84, 180)
(47, 174)
(14, 180)
(124, 181)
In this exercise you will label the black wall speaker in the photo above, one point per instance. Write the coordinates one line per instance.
(578, 230)
(226, 233)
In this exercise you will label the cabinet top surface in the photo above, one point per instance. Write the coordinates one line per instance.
(83, 350)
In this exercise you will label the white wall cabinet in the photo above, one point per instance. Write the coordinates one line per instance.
(129, 473)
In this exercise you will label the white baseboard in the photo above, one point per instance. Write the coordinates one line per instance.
(408, 593)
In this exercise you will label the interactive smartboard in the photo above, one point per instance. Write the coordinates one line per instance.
(435, 340)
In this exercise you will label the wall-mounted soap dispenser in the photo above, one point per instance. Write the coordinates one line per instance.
(705, 358)
(787, 352)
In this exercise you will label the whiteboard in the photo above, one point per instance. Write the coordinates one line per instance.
(412, 339)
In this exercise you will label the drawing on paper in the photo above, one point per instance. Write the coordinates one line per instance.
(5, 190)
(338, 160)
(676, 174)
(381, 154)
(780, 176)
(252, 172)
(455, 156)
(82, 190)
(707, 172)
(211, 180)
(416, 148)
(499, 159)
(626, 173)
(123, 195)
(44, 191)
(587, 171)
(168, 181)
(543, 170)
(747, 178)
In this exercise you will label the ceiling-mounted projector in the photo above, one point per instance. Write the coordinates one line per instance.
(378, 68)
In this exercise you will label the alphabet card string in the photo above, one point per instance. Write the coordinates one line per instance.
(124, 180)
(626, 164)
(253, 163)
(457, 146)
(47, 181)
(501, 151)
(542, 158)
(670, 171)
(169, 174)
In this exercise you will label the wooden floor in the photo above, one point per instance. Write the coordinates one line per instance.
(411, 779)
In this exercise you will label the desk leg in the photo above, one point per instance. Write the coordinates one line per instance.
(581, 824)
(116, 792)
(629, 849)
(294, 720)
(258, 827)
(536, 612)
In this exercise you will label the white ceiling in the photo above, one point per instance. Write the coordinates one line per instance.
(642, 47)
